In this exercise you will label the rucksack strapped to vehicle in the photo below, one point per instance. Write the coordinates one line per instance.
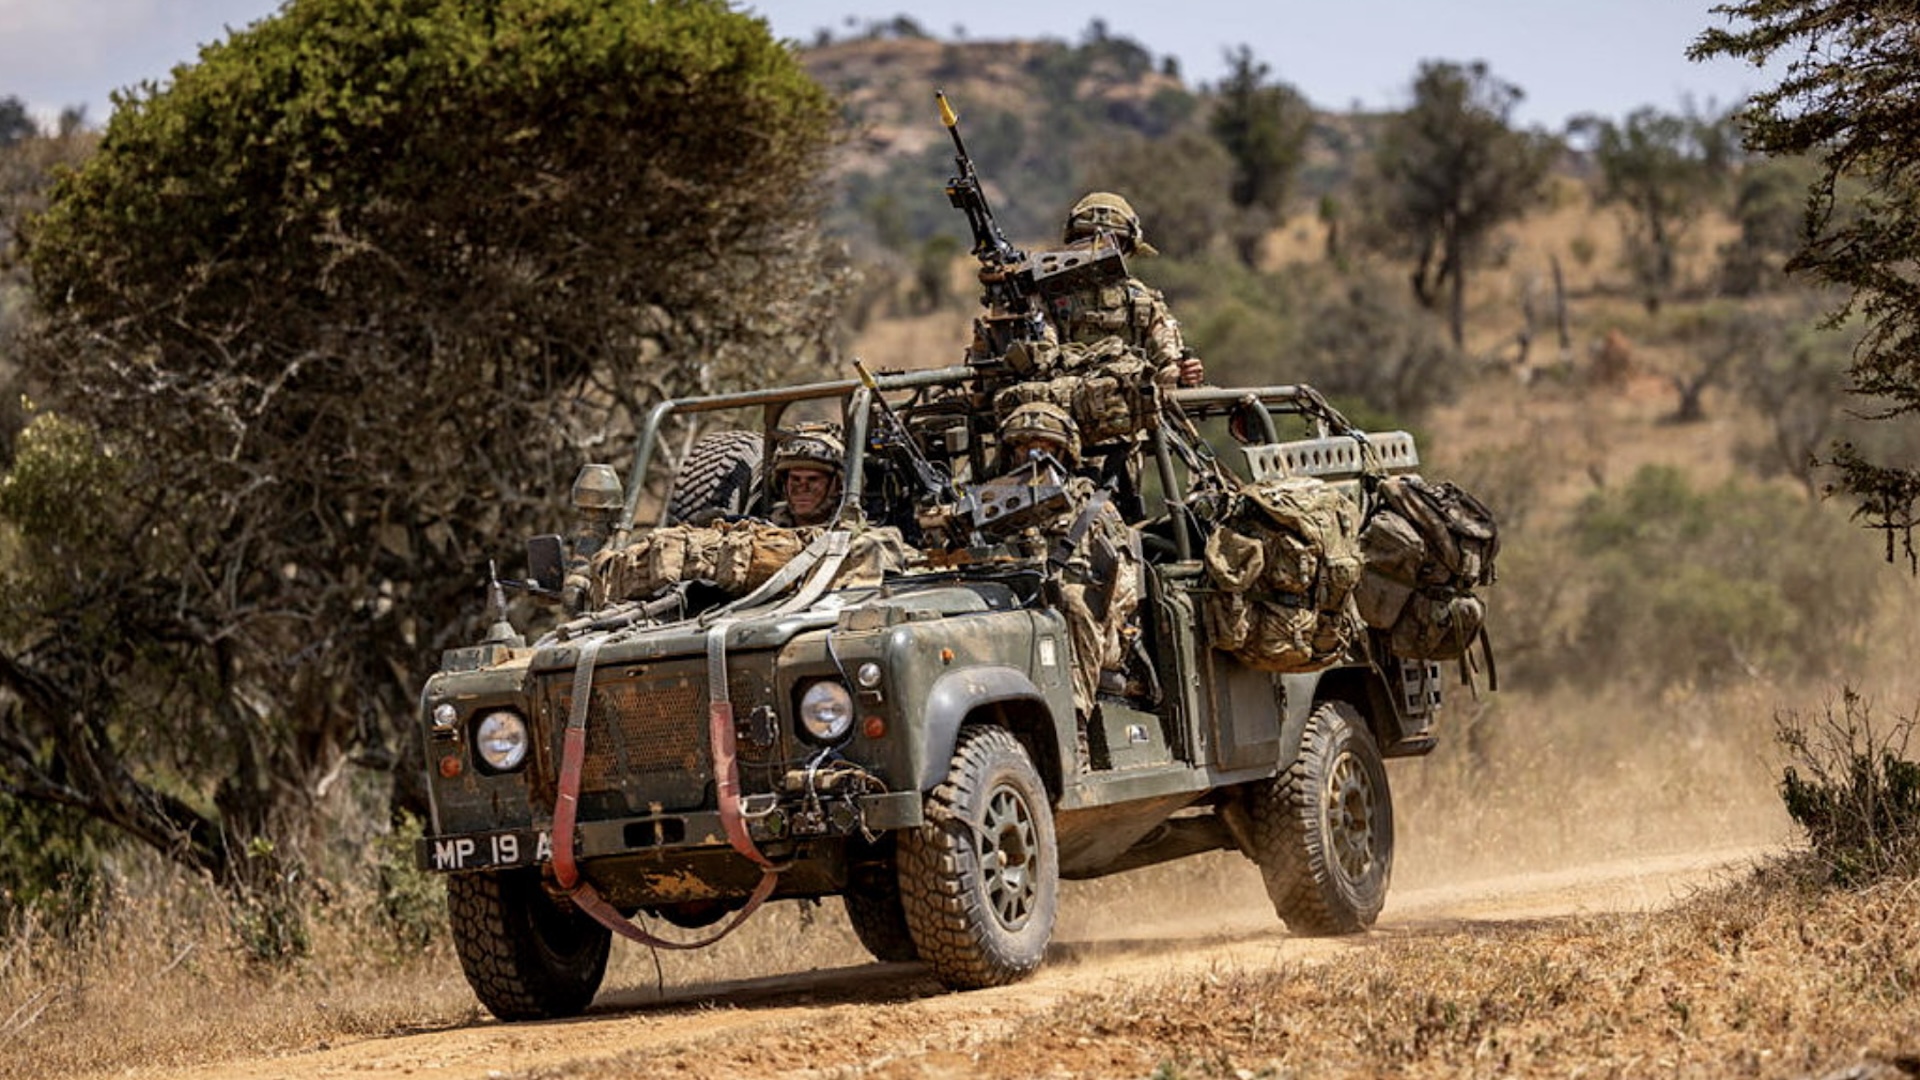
(1283, 563)
(1427, 547)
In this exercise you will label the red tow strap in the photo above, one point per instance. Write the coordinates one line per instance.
(726, 770)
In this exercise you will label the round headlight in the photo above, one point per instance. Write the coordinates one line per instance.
(501, 741)
(826, 711)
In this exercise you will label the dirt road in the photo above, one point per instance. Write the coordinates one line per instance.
(872, 1020)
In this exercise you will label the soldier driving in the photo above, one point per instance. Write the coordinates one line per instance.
(806, 470)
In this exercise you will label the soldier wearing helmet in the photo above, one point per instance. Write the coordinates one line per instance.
(806, 471)
(1039, 425)
(1126, 309)
(1100, 581)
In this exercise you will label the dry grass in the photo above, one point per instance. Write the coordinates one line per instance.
(1761, 978)
(159, 979)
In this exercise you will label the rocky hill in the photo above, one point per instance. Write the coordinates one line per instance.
(1032, 113)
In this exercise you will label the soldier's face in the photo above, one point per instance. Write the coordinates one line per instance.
(807, 491)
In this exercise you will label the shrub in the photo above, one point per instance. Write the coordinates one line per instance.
(1703, 587)
(1854, 792)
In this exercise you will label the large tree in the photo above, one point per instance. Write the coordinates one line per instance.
(1264, 127)
(1661, 169)
(330, 319)
(1846, 98)
(15, 122)
(1448, 171)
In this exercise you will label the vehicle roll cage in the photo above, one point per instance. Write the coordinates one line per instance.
(1332, 430)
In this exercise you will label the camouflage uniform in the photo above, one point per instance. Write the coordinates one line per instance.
(812, 448)
(1098, 607)
(1129, 309)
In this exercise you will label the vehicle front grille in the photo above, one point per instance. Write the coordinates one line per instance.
(647, 744)
(646, 728)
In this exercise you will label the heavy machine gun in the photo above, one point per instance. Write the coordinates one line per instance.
(1017, 286)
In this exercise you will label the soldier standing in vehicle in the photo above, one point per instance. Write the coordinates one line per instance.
(1126, 309)
(1092, 548)
(806, 470)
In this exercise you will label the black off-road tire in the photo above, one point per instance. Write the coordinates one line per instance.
(526, 957)
(1323, 829)
(980, 881)
(721, 475)
(880, 921)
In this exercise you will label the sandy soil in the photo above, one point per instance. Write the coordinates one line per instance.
(892, 1020)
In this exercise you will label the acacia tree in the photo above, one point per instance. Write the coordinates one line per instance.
(1448, 171)
(1661, 169)
(328, 318)
(1264, 128)
(1769, 206)
(1846, 100)
(1173, 183)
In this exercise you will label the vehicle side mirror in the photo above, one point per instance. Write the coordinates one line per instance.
(546, 562)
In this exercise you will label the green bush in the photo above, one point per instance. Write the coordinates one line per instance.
(410, 903)
(1703, 587)
(1853, 791)
(333, 311)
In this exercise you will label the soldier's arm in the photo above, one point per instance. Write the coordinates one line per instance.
(1166, 349)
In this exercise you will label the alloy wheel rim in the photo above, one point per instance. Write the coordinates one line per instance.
(1349, 808)
(1009, 848)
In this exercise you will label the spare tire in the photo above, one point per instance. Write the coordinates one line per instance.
(721, 476)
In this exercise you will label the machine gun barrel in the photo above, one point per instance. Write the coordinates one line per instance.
(936, 482)
(965, 192)
(1006, 274)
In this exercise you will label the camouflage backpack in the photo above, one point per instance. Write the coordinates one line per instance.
(1427, 546)
(1283, 564)
(737, 556)
(1107, 387)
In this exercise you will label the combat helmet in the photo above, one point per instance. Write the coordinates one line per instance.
(812, 446)
(1103, 212)
(1045, 421)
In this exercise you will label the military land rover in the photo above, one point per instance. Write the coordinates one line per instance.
(906, 740)
(891, 706)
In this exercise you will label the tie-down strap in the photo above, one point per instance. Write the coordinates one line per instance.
(721, 736)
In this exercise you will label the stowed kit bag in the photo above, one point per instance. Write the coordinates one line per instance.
(1106, 387)
(1426, 547)
(737, 556)
(1283, 565)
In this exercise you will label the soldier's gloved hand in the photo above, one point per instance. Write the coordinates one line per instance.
(1193, 371)
(575, 592)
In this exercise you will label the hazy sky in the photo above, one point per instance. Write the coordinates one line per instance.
(1569, 56)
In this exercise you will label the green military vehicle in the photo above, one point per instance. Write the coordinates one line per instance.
(906, 743)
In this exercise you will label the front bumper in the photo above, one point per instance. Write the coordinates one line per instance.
(773, 824)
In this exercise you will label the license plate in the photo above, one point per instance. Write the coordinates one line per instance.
(484, 851)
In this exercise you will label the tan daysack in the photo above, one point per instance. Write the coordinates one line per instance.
(1427, 547)
(1106, 386)
(736, 556)
(1283, 565)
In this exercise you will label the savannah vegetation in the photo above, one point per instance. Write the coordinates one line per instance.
(298, 342)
